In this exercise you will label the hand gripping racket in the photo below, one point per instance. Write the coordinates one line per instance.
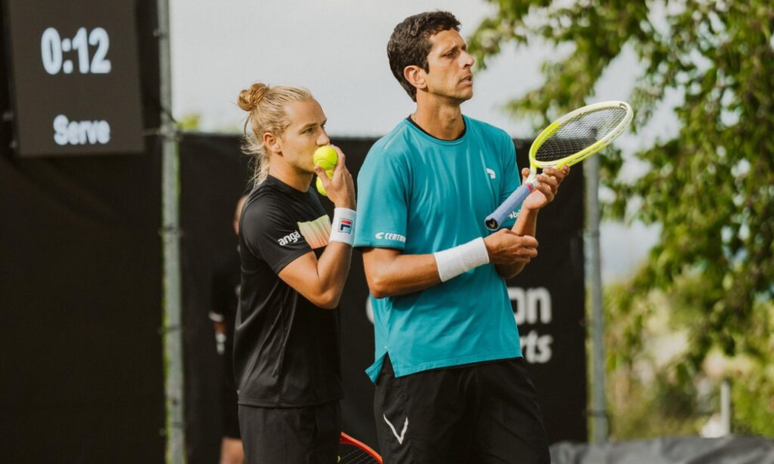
(352, 451)
(567, 141)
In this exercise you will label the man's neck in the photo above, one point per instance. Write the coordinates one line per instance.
(289, 175)
(441, 120)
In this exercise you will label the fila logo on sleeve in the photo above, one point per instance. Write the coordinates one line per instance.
(345, 226)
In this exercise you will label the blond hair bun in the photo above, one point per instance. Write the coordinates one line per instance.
(249, 99)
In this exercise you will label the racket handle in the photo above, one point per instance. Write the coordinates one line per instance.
(494, 220)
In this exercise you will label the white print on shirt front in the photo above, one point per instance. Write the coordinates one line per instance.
(395, 432)
(491, 173)
(316, 232)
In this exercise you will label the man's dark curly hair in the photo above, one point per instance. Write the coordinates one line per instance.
(410, 44)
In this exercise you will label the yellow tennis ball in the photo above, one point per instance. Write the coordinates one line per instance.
(319, 184)
(326, 157)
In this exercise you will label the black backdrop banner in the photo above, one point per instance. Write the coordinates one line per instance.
(548, 297)
(81, 298)
(80, 293)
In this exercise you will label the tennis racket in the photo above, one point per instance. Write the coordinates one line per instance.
(567, 141)
(352, 451)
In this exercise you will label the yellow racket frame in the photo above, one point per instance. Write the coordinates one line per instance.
(588, 151)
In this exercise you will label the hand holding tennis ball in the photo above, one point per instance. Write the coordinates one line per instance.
(325, 157)
(333, 177)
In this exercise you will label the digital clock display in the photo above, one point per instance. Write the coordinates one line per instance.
(74, 76)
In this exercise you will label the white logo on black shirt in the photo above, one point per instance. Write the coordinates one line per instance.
(290, 238)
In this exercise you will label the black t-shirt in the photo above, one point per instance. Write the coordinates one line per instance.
(286, 349)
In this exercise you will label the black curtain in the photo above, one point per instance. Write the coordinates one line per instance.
(80, 295)
(214, 176)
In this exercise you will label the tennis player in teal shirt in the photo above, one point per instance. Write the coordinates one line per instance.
(451, 383)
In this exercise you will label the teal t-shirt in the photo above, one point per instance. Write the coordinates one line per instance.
(421, 195)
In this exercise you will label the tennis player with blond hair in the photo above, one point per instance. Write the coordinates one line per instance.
(295, 261)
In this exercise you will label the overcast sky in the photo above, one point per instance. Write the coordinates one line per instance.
(337, 49)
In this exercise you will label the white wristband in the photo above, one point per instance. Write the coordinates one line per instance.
(343, 226)
(461, 259)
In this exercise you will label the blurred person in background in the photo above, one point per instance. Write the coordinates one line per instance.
(224, 294)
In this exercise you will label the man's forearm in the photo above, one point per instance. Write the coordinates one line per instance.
(390, 273)
(333, 268)
(526, 224)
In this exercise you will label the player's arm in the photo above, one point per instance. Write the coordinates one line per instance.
(390, 272)
(384, 204)
(322, 280)
(526, 222)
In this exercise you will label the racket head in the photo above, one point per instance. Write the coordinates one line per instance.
(352, 451)
(580, 134)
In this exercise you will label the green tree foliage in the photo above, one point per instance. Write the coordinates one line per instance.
(710, 187)
(189, 122)
(654, 391)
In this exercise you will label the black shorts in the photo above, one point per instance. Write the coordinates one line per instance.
(478, 414)
(291, 435)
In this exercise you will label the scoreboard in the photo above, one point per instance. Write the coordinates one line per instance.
(74, 76)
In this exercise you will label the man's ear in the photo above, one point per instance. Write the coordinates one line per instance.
(272, 143)
(416, 76)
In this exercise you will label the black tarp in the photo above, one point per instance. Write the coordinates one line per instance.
(214, 174)
(669, 450)
(81, 296)
(81, 292)
(81, 376)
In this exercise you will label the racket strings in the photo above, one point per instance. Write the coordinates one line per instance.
(354, 455)
(579, 133)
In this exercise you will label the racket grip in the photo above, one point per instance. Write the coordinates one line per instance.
(494, 220)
